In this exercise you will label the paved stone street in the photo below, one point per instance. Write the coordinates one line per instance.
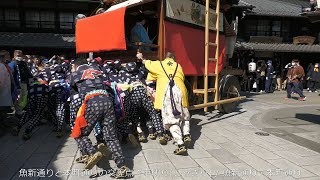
(226, 147)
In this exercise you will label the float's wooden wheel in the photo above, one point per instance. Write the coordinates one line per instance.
(229, 87)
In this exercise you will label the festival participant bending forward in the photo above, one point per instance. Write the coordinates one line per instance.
(171, 98)
(97, 106)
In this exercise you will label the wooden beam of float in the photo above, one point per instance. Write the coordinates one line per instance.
(210, 104)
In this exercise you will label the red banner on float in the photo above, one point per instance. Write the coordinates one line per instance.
(102, 32)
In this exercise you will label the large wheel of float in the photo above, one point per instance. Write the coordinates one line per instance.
(190, 91)
(229, 87)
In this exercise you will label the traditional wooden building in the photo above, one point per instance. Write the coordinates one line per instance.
(273, 29)
(43, 27)
(313, 13)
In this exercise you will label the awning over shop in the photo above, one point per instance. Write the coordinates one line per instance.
(281, 47)
(37, 40)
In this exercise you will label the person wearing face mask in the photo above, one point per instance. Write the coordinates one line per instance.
(294, 76)
(32, 65)
(309, 70)
(260, 75)
(314, 77)
(30, 62)
(269, 77)
(24, 78)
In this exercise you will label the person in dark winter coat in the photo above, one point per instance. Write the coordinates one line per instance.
(269, 77)
(24, 77)
(314, 78)
(260, 75)
(308, 70)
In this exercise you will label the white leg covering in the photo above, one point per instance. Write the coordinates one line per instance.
(185, 126)
(185, 123)
(176, 134)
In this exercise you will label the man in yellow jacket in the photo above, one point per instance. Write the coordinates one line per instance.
(171, 98)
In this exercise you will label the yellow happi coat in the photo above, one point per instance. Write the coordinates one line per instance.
(156, 73)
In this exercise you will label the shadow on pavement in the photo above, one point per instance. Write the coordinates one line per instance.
(309, 117)
(221, 116)
(195, 126)
(195, 131)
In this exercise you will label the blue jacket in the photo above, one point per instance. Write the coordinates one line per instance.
(270, 70)
(140, 34)
(315, 76)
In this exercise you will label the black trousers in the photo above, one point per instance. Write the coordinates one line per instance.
(145, 121)
(100, 109)
(247, 85)
(75, 104)
(136, 102)
(294, 87)
(269, 85)
(38, 97)
(313, 86)
(57, 106)
(260, 84)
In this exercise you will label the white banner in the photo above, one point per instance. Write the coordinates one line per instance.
(192, 12)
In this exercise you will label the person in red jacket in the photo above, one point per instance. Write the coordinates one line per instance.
(294, 75)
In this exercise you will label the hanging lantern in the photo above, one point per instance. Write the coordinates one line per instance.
(252, 67)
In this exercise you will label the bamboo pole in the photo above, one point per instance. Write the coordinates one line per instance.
(205, 100)
(216, 83)
(210, 104)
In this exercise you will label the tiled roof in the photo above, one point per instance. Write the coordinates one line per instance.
(313, 16)
(49, 40)
(291, 8)
(278, 47)
(243, 4)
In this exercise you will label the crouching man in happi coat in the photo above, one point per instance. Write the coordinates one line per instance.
(136, 103)
(58, 95)
(97, 106)
(38, 92)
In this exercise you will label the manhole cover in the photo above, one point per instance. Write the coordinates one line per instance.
(262, 134)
